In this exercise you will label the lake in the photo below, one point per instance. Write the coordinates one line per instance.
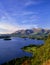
(11, 49)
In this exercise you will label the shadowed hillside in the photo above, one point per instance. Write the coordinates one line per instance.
(32, 32)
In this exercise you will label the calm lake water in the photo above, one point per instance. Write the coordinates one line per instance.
(10, 49)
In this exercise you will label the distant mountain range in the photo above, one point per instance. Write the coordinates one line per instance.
(34, 31)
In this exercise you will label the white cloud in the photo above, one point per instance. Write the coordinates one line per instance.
(30, 3)
(8, 24)
(33, 2)
(24, 13)
(35, 26)
(29, 26)
(31, 19)
(27, 13)
(8, 27)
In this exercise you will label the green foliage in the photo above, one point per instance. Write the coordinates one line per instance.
(40, 54)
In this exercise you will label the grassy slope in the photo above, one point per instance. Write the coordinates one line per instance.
(41, 54)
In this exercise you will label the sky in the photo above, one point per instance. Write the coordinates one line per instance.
(24, 14)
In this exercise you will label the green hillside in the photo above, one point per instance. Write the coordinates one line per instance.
(40, 54)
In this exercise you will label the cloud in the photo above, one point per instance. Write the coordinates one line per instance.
(23, 13)
(31, 18)
(33, 2)
(27, 13)
(35, 17)
(30, 3)
(26, 17)
(9, 21)
(29, 26)
(7, 28)
(35, 26)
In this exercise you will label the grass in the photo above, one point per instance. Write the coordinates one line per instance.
(40, 54)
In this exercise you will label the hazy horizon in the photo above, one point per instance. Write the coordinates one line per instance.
(24, 14)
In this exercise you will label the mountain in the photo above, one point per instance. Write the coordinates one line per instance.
(34, 31)
(5, 36)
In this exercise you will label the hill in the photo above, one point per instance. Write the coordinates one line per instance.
(41, 55)
(31, 32)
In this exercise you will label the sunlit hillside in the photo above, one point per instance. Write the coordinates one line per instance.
(41, 55)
